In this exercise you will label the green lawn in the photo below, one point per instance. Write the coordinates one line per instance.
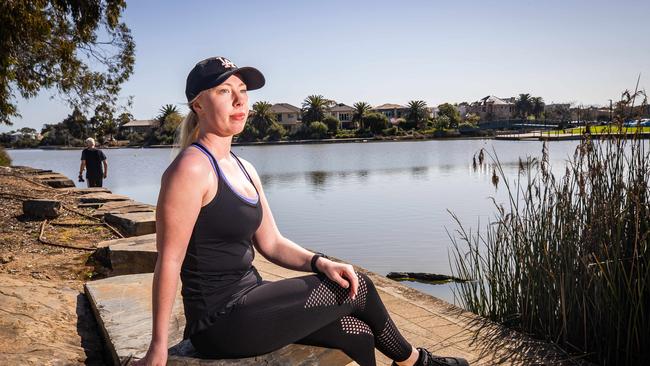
(600, 129)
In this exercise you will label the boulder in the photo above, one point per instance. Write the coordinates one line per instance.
(136, 254)
(134, 223)
(58, 182)
(41, 208)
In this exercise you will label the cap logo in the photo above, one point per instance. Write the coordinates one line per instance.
(226, 63)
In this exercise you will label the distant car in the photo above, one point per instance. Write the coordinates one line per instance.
(645, 122)
(631, 123)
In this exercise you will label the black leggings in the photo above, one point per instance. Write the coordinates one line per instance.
(310, 310)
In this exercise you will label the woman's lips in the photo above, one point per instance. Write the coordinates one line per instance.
(238, 116)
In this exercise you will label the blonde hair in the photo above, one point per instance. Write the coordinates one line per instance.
(186, 132)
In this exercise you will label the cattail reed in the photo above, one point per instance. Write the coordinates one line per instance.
(568, 260)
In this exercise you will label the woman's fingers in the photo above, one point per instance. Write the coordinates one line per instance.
(353, 279)
(336, 277)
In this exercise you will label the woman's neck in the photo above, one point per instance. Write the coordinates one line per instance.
(219, 146)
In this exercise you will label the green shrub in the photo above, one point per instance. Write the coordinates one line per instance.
(333, 124)
(248, 134)
(275, 132)
(5, 159)
(442, 123)
(317, 130)
(345, 134)
(376, 122)
(390, 131)
(25, 143)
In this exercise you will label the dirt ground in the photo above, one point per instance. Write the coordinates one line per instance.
(45, 319)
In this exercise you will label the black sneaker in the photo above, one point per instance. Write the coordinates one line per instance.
(427, 359)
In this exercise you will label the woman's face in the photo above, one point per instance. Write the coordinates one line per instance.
(224, 108)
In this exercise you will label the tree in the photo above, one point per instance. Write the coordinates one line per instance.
(262, 117)
(523, 106)
(472, 119)
(77, 47)
(103, 116)
(442, 122)
(275, 132)
(71, 131)
(360, 111)
(417, 113)
(318, 130)
(537, 106)
(451, 112)
(332, 124)
(165, 111)
(26, 130)
(314, 108)
(377, 122)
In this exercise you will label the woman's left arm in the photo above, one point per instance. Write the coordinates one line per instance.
(284, 252)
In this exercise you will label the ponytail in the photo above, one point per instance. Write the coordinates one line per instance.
(186, 133)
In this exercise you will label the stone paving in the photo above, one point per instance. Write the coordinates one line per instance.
(424, 320)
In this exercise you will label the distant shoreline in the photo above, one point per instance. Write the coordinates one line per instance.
(287, 142)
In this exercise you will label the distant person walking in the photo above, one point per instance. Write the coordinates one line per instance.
(92, 160)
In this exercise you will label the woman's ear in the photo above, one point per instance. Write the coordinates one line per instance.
(195, 106)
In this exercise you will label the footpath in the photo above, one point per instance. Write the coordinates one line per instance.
(83, 295)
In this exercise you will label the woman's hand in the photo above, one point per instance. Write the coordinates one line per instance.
(343, 274)
(156, 356)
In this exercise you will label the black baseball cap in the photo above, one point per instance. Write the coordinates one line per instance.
(214, 71)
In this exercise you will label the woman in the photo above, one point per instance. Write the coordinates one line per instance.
(211, 211)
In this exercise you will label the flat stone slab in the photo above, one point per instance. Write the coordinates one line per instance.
(42, 208)
(58, 182)
(49, 175)
(133, 223)
(115, 207)
(82, 190)
(44, 322)
(136, 254)
(30, 170)
(102, 197)
(424, 320)
(122, 306)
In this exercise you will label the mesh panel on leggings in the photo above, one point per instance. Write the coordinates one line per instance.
(352, 325)
(330, 293)
(390, 342)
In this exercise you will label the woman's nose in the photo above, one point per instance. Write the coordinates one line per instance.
(238, 98)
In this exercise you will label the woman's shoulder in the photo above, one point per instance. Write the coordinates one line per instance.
(189, 164)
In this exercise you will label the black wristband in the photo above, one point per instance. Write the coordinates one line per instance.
(313, 262)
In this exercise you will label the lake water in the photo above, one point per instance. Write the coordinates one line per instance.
(380, 205)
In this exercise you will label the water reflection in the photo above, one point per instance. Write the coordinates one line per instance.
(317, 179)
(419, 172)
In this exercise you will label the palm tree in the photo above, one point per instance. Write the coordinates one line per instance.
(417, 113)
(360, 111)
(262, 117)
(165, 111)
(537, 106)
(523, 105)
(314, 108)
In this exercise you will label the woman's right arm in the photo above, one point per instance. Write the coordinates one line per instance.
(182, 191)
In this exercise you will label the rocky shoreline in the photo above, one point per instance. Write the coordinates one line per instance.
(44, 263)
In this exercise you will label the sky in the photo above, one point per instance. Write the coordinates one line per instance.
(584, 52)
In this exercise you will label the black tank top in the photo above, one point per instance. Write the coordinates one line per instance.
(217, 269)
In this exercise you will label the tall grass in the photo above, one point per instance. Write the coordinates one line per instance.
(566, 259)
(5, 160)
